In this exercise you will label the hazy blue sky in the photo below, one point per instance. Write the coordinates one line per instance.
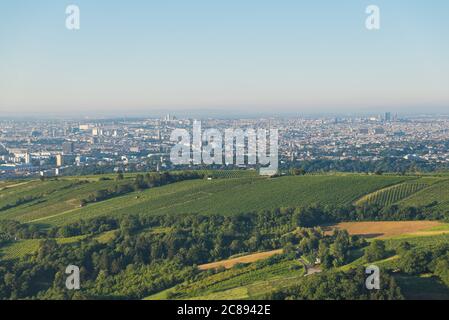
(230, 55)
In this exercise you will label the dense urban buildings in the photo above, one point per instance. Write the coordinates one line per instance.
(67, 147)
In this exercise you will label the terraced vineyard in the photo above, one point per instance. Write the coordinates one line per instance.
(437, 194)
(36, 199)
(393, 194)
(401, 193)
(19, 249)
(219, 196)
(57, 202)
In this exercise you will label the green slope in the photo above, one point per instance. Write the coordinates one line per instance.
(46, 198)
(249, 282)
(436, 193)
(220, 196)
(400, 192)
(19, 249)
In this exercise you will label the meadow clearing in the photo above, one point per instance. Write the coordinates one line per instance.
(230, 263)
(389, 229)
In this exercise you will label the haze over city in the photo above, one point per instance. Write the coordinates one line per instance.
(221, 58)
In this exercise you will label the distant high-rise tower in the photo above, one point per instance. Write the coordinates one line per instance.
(59, 160)
(27, 158)
(395, 117)
(67, 147)
(388, 116)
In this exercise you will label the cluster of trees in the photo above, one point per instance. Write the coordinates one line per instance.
(281, 220)
(415, 261)
(151, 180)
(389, 164)
(18, 202)
(152, 245)
(104, 194)
(338, 285)
(151, 253)
(441, 269)
(181, 242)
(399, 213)
(297, 171)
(336, 251)
(331, 251)
(316, 215)
(11, 230)
(141, 182)
(376, 251)
(84, 227)
(135, 282)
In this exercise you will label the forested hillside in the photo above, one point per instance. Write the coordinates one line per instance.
(145, 236)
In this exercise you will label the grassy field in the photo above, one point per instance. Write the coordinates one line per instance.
(21, 248)
(57, 202)
(423, 287)
(10, 184)
(392, 229)
(45, 198)
(107, 236)
(430, 241)
(229, 263)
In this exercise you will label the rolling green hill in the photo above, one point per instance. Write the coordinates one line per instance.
(436, 193)
(401, 192)
(19, 249)
(36, 199)
(58, 202)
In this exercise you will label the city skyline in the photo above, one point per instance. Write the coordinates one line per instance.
(223, 58)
